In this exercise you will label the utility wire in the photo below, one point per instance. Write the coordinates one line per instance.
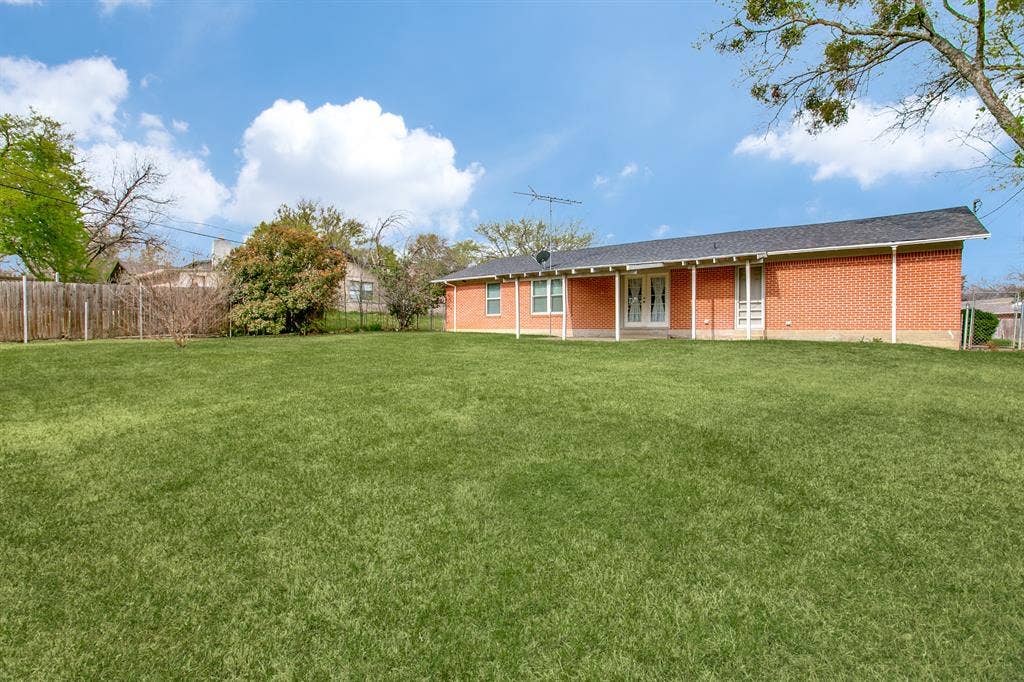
(155, 224)
(1012, 197)
(175, 219)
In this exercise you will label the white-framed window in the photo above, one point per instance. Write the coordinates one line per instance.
(547, 296)
(756, 297)
(359, 291)
(493, 298)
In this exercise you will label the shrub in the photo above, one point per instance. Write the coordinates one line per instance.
(283, 279)
(985, 324)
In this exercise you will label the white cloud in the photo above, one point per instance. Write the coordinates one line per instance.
(356, 156)
(614, 183)
(108, 6)
(196, 193)
(863, 150)
(151, 121)
(661, 230)
(87, 95)
(20, 2)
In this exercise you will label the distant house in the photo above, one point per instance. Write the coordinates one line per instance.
(895, 278)
(359, 291)
(1001, 307)
(198, 273)
(111, 271)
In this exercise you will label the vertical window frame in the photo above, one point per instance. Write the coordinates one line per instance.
(488, 299)
(547, 296)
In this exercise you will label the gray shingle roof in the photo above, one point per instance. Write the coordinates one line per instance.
(947, 223)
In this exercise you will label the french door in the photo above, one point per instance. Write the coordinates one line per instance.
(646, 301)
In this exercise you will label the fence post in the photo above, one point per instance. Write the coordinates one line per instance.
(24, 307)
(140, 312)
(86, 319)
(970, 334)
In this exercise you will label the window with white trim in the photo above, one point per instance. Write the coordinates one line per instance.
(359, 291)
(493, 298)
(547, 296)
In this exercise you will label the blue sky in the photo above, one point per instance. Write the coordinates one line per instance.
(608, 104)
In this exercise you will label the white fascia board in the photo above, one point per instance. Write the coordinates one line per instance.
(644, 266)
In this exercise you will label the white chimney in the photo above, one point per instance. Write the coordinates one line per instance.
(221, 249)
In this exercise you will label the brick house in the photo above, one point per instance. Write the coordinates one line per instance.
(894, 278)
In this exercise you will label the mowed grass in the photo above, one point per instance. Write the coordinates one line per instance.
(450, 506)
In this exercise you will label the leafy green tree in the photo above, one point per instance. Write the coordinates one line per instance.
(41, 188)
(283, 279)
(816, 57)
(339, 232)
(525, 237)
(405, 289)
(464, 253)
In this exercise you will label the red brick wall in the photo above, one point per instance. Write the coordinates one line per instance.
(854, 292)
(828, 293)
(592, 303)
(716, 298)
(843, 293)
(679, 299)
(928, 290)
(473, 308)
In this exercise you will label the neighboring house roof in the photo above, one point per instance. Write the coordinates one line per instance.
(948, 224)
(109, 270)
(998, 306)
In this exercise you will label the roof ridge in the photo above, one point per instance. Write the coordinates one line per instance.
(763, 229)
(954, 223)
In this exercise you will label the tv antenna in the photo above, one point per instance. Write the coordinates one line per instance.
(544, 255)
(535, 196)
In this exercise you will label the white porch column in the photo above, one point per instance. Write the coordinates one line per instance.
(693, 302)
(455, 307)
(618, 312)
(747, 278)
(517, 308)
(893, 297)
(565, 304)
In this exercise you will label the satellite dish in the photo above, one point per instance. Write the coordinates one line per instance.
(542, 257)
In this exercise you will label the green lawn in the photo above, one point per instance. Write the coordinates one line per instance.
(449, 506)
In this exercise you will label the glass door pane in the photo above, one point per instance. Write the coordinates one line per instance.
(634, 292)
(658, 298)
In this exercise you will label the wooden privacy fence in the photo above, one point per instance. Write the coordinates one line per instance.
(54, 310)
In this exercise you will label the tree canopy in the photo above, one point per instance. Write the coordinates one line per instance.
(283, 279)
(41, 188)
(816, 57)
(526, 236)
(330, 223)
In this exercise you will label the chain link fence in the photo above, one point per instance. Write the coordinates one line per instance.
(358, 309)
(992, 320)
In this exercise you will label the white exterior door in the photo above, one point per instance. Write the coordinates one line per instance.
(646, 303)
(756, 297)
